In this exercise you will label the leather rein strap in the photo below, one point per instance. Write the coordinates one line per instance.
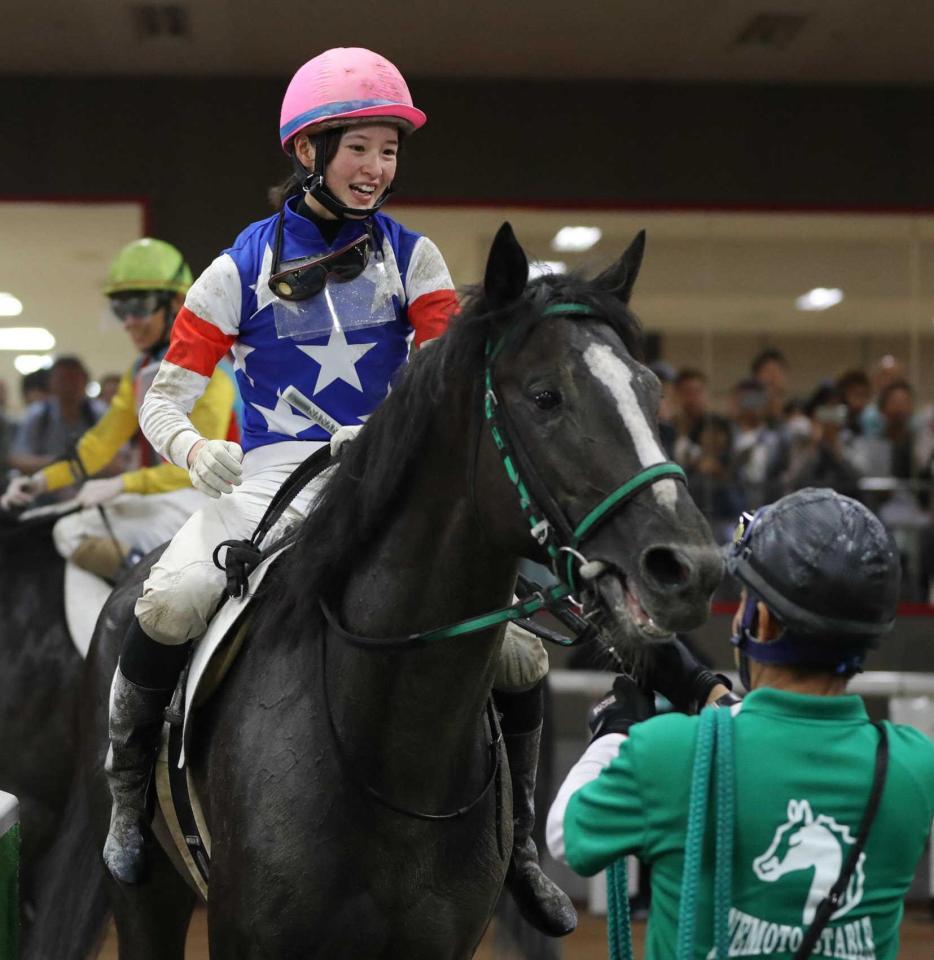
(549, 525)
(244, 556)
(831, 903)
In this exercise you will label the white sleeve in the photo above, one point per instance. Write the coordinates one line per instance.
(599, 755)
(427, 271)
(204, 330)
(163, 417)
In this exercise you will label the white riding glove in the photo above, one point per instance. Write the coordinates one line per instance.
(214, 467)
(96, 492)
(22, 491)
(342, 436)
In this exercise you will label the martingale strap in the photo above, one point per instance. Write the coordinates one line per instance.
(518, 611)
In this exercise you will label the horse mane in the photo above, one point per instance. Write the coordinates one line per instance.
(358, 498)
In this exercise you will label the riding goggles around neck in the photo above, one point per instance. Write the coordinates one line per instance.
(306, 278)
(125, 306)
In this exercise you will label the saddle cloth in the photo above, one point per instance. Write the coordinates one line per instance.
(175, 789)
(85, 594)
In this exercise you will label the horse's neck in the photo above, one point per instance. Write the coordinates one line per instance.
(433, 566)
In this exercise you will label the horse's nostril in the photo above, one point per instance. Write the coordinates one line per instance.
(664, 567)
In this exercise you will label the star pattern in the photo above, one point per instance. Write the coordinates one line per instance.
(240, 352)
(338, 360)
(264, 296)
(281, 419)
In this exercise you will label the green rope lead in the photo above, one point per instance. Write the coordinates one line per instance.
(725, 812)
(619, 928)
(694, 842)
(713, 753)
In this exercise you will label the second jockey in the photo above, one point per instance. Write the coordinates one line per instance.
(147, 504)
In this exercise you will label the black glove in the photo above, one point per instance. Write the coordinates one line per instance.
(678, 675)
(627, 703)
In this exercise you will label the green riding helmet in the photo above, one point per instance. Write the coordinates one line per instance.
(148, 264)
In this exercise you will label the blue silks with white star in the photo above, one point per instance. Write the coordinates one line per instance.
(347, 368)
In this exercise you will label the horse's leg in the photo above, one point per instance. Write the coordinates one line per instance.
(152, 918)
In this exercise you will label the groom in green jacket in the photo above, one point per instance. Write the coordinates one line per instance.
(820, 585)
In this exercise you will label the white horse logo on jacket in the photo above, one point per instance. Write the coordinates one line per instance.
(807, 842)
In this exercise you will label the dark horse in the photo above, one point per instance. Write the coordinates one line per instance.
(316, 752)
(40, 681)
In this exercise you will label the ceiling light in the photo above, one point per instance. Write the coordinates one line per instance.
(576, 239)
(10, 306)
(820, 298)
(27, 363)
(542, 268)
(26, 338)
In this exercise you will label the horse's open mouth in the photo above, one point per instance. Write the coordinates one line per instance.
(621, 602)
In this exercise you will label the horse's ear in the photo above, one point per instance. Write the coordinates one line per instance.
(807, 813)
(507, 269)
(794, 811)
(620, 278)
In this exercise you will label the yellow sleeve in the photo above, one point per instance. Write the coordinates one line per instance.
(99, 445)
(211, 417)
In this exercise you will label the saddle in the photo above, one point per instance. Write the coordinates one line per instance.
(246, 565)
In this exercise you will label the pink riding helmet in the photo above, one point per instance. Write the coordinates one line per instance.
(346, 83)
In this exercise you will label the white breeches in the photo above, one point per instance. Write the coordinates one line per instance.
(184, 587)
(138, 522)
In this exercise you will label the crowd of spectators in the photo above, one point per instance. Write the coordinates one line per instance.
(863, 435)
(56, 412)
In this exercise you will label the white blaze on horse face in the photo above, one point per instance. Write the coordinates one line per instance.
(617, 378)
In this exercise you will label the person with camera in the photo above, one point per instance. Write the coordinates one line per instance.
(821, 457)
(820, 582)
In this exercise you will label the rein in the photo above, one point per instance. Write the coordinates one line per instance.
(550, 527)
(494, 763)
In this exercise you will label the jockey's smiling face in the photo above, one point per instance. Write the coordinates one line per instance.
(362, 168)
(148, 328)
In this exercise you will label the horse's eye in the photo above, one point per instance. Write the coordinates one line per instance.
(547, 399)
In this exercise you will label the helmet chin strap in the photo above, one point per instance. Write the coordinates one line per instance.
(314, 185)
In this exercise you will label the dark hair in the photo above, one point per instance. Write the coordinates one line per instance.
(37, 380)
(887, 392)
(767, 355)
(689, 373)
(824, 394)
(852, 378)
(70, 360)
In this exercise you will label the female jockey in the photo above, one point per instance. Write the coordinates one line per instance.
(145, 506)
(319, 304)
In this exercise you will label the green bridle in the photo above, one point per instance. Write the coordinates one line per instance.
(549, 526)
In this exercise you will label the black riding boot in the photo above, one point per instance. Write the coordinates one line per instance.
(540, 901)
(142, 687)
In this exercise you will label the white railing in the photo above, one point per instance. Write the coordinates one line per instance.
(876, 683)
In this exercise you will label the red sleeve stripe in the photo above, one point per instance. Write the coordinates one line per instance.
(431, 313)
(196, 344)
